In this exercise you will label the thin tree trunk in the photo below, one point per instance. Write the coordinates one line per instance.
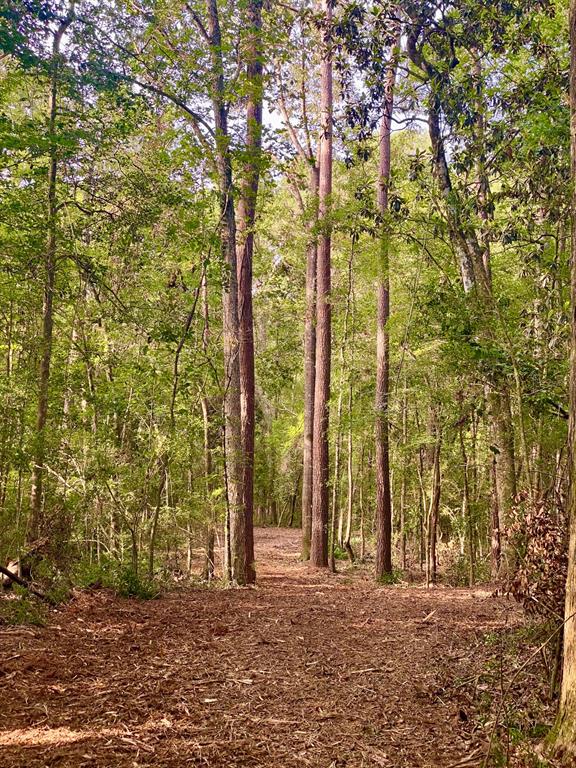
(38, 470)
(320, 458)
(404, 485)
(495, 546)
(207, 419)
(350, 496)
(434, 510)
(466, 510)
(309, 374)
(361, 504)
(163, 466)
(504, 460)
(237, 569)
(383, 491)
(336, 511)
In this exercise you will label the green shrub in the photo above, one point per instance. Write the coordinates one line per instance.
(20, 608)
(391, 578)
(110, 574)
(130, 584)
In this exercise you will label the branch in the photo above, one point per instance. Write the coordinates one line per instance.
(26, 584)
(199, 23)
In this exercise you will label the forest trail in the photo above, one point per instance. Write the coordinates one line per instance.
(307, 669)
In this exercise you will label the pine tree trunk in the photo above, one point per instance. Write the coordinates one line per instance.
(383, 492)
(565, 736)
(473, 257)
(309, 376)
(245, 234)
(320, 457)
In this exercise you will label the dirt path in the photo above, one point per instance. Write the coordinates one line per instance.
(307, 669)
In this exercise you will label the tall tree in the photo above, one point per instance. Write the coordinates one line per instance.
(50, 270)
(320, 453)
(565, 736)
(237, 566)
(306, 151)
(383, 498)
(246, 220)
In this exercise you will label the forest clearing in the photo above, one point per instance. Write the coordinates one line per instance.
(307, 669)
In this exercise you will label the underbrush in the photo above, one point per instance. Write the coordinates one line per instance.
(456, 571)
(20, 608)
(510, 697)
(396, 577)
(120, 577)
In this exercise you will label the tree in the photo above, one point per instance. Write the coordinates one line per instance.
(246, 225)
(320, 452)
(565, 736)
(50, 270)
(383, 497)
(306, 153)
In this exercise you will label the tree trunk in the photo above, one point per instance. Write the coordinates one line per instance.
(320, 453)
(404, 486)
(383, 492)
(162, 480)
(466, 510)
(237, 570)
(565, 737)
(309, 376)
(434, 510)
(495, 545)
(504, 463)
(246, 222)
(38, 470)
(350, 497)
(207, 421)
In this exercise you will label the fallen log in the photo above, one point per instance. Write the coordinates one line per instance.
(23, 583)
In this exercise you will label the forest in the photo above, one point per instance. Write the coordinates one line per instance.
(288, 388)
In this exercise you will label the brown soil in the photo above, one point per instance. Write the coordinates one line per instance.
(306, 669)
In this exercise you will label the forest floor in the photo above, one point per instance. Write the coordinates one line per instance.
(306, 669)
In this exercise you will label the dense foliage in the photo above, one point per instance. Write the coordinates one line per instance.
(109, 151)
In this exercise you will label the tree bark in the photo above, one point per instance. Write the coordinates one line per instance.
(237, 570)
(434, 509)
(309, 375)
(466, 509)
(565, 736)
(320, 453)
(38, 470)
(245, 234)
(383, 491)
(208, 424)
